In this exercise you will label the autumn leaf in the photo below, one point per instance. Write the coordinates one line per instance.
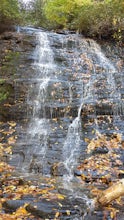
(68, 212)
(60, 196)
(59, 204)
(119, 137)
(87, 140)
(21, 211)
(11, 140)
(57, 214)
(7, 105)
(12, 123)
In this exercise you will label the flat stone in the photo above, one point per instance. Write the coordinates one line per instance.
(48, 209)
(12, 205)
(101, 150)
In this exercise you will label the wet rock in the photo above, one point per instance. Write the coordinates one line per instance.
(99, 108)
(7, 36)
(35, 166)
(58, 169)
(66, 192)
(65, 32)
(28, 42)
(78, 172)
(12, 205)
(47, 209)
(17, 158)
(12, 36)
(101, 150)
(12, 44)
(93, 175)
(122, 157)
(121, 175)
(43, 209)
(57, 112)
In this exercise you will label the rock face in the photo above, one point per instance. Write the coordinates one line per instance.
(8, 26)
(15, 54)
(49, 209)
(82, 73)
(46, 209)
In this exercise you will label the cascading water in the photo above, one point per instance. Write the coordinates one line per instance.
(71, 146)
(68, 74)
(38, 131)
(91, 95)
(43, 96)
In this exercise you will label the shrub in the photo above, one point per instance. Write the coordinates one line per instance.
(9, 13)
(60, 13)
(93, 18)
(101, 18)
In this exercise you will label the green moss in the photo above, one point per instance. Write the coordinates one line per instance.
(9, 63)
(5, 90)
(11, 56)
(2, 81)
(4, 94)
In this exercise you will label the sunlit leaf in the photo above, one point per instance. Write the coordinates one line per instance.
(57, 214)
(60, 196)
(68, 212)
(60, 204)
(11, 140)
(21, 211)
(12, 124)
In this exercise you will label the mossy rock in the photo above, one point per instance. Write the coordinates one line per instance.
(6, 90)
(6, 98)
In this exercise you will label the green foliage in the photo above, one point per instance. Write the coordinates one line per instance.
(32, 13)
(101, 18)
(90, 17)
(37, 12)
(60, 13)
(6, 90)
(9, 13)
(9, 8)
(3, 91)
(93, 18)
(9, 63)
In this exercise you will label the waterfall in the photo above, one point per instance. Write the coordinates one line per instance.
(69, 75)
(68, 116)
(39, 126)
(71, 148)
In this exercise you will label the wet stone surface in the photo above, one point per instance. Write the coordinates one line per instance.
(14, 57)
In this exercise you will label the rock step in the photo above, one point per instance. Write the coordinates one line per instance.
(25, 112)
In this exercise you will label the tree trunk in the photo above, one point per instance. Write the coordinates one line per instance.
(110, 194)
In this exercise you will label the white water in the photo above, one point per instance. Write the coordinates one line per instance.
(39, 127)
(108, 70)
(44, 59)
(71, 146)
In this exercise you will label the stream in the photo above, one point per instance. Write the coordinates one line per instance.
(74, 90)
